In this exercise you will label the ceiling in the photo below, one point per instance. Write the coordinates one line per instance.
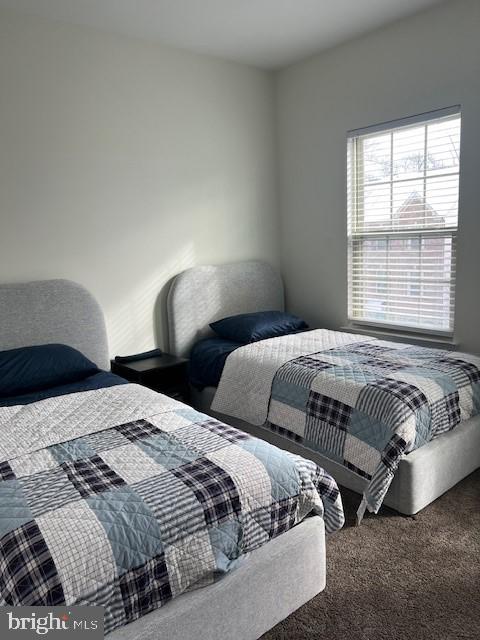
(265, 33)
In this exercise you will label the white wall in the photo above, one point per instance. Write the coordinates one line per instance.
(123, 163)
(416, 65)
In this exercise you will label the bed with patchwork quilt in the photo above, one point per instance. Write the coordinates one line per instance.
(360, 402)
(124, 498)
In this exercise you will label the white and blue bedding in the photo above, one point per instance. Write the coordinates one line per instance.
(208, 356)
(362, 402)
(167, 498)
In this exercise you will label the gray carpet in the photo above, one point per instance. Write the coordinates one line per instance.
(397, 577)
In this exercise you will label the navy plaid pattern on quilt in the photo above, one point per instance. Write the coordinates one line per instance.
(91, 475)
(392, 452)
(138, 430)
(282, 516)
(326, 485)
(286, 433)
(145, 588)
(446, 413)
(6, 471)
(329, 410)
(306, 363)
(28, 575)
(406, 393)
(225, 431)
(213, 487)
(369, 349)
(366, 404)
(133, 526)
(376, 363)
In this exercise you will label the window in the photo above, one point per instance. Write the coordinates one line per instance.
(402, 222)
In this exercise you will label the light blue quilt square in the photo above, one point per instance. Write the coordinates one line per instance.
(131, 527)
(14, 509)
(71, 451)
(167, 450)
(290, 394)
(225, 540)
(369, 429)
(281, 469)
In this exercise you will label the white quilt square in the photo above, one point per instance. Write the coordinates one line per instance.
(346, 391)
(465, 399)
(80, 549)
(190, 562)
(288, 417)
(169, 421)
(131, 463)
(248, 474)
(361, 454)
(31, 463)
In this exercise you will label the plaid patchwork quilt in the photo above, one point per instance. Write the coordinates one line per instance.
(362, 402)
(124, 498)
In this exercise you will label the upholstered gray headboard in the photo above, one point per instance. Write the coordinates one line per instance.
(203, 294)
(53, 311)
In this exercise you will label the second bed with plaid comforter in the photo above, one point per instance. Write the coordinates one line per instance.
(124, 498)
(362, 402)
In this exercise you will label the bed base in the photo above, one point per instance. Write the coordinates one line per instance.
(274, 581)
(422, 476)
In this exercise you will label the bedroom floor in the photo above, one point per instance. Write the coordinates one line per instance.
(398, 577)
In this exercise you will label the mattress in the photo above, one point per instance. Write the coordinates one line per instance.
(169, 499)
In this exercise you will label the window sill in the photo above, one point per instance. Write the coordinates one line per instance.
(445, 342)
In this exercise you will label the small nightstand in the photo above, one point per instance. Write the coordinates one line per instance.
(165, 373)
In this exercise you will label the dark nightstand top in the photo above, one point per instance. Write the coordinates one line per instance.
(165, 361)
(165, 373)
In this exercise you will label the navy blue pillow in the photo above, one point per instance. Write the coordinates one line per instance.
(41, 367)
(251, 327)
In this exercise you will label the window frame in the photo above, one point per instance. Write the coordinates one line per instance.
(356, 232)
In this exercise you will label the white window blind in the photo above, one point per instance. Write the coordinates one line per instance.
(402, 222)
